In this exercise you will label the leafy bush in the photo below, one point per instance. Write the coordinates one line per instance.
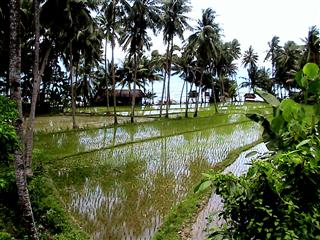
(8, 138)
(279, 197)
(276, 199)
(5, 236)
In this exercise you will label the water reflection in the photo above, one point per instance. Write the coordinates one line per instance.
(124, 192)
(69, 143)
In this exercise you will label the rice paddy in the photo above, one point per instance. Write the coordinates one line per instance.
(119, 183)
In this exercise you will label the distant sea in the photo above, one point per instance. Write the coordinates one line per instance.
(176, 85)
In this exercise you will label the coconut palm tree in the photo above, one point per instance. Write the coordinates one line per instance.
(14, 78)
(249, 60)
(35, 91)
(110, 20)
(68, 24)
(273, 52)
(287, 64)
(223, 64)
(206, 44)
(105, 22)
(184, 65)
(175, 22)
(143, 15)
(312, 46)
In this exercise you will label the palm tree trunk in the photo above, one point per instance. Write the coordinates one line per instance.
(222, 86)
(152, 91)
(15, 81)
(112, 65)
(187, 100)
(136, 62)
(163, 92)
(106, 74)
(197, 102)
(164, 79)
(169, 77)
(35, 91)
(73, 101)
(184, 83)
(85, 89)
(200, 95)
(214, 97)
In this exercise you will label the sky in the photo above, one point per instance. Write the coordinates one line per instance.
(255, 22)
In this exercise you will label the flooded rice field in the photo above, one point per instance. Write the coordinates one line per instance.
(119, 183)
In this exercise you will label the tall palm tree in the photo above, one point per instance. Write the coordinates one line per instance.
(184, 65)
(312, 46)
(206, 44)
(14, 78)
(287, 63)
(174, 24)
(273, 52)
(250, 59)
(112, 11)
(117, 10)
(113, 44)
(223, 64)
(35, 91)
(70, 20)
(105, 22)
(143, 15)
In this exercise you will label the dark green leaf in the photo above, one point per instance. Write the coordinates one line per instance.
(277, 123)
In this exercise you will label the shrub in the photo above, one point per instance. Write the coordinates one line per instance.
(279, 197)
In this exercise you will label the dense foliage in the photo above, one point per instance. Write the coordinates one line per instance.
(8, 139)
(279, 197)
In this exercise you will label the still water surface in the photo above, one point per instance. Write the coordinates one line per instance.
(123, 191)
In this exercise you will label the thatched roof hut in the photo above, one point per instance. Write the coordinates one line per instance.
(123, 96)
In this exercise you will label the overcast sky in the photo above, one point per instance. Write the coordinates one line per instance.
(255, 22)
(252, 22)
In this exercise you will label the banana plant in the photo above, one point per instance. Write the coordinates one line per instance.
(292, 121)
